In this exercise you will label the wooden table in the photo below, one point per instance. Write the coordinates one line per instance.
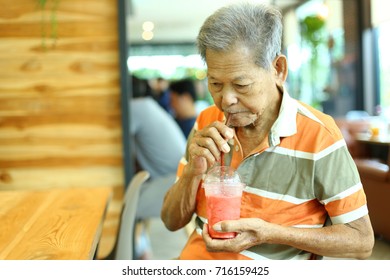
(383, 142)
(366, 138)
(56, 224)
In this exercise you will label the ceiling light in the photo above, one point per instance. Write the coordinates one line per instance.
(147, 35)
(148, 26)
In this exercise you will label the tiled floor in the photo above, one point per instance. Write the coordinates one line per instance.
(166, 244)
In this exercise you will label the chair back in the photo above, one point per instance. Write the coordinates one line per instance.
(125, 240)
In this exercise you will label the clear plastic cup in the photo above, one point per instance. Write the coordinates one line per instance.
(223, 187)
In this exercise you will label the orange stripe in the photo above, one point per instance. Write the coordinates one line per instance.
(275, 211)
(237, 155)
(209, 116)
(347, 204)
(180, 168)
(315, 138)
(201, 202)
(195, 249)
(282, 212)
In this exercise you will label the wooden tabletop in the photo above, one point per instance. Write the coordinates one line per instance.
(383, 141)
(56, 224)
(367, 138)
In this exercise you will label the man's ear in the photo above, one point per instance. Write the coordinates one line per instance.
(281, 69)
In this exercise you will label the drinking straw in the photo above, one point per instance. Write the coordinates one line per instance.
(222, 153)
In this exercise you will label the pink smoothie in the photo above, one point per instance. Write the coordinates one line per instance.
(220, 208)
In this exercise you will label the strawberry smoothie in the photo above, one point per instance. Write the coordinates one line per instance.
(220, 208)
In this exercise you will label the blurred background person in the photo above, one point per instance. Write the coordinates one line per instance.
(158, 142)
(161, 93)
(183, 98)
(158, 147)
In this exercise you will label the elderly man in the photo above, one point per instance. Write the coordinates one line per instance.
(294, 161)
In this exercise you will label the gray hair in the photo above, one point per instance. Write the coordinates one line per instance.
(256, 26)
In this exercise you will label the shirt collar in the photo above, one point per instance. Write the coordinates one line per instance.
(286, 123)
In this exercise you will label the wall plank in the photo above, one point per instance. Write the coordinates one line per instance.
(60, 118)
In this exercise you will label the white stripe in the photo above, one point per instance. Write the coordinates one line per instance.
(183, 161)
(303, 110)
(276, 196)
(350, 216)
(196, 126)
(305, 256)
(290, 152)
(337, 145)
(306, 155)
(204, 220)
(255, 256)
(344, 194)
(309, 226)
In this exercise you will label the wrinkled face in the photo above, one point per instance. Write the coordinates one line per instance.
(241, 88)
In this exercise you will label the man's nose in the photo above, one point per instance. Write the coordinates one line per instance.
(229, 96)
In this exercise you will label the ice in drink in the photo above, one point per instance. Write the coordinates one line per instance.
(220, 208)
(223, 189)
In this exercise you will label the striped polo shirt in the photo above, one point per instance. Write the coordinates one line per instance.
(301, 176)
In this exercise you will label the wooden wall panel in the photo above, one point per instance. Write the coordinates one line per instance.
(60, 119)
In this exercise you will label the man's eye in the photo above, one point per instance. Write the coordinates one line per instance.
(241, 87)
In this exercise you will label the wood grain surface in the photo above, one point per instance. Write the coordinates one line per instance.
(56, 224)
(60, 106)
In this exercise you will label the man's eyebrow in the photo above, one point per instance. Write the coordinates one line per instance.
(239, 78)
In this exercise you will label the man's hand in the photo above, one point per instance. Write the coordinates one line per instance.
(208, 144)
(250, 232)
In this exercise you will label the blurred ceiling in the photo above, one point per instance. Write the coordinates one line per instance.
(177, 21)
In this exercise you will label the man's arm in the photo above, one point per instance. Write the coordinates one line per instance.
(204, 150)
(351, 240)
(180, 201)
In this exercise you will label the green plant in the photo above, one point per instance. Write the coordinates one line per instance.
(313, 32)
(53, 32)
